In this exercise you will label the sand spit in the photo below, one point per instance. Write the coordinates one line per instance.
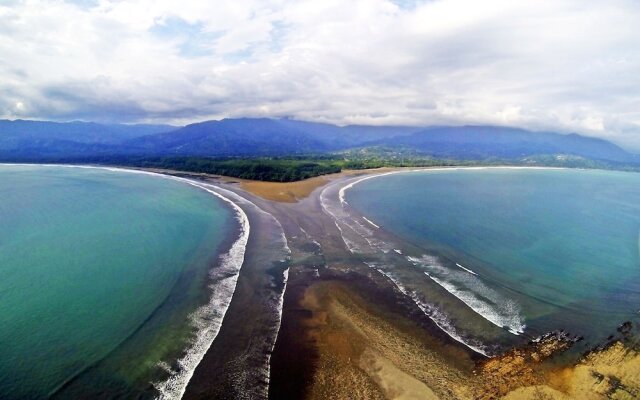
(347, 333)
(237, 364)
(342, 330)
(288, 192)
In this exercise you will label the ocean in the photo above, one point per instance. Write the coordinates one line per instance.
(497, 256)
(107, 278)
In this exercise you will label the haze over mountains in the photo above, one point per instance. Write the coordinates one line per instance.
(246, 137)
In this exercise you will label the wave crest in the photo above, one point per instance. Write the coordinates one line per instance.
(468, 288)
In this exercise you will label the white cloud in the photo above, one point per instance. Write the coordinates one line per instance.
(567, 65)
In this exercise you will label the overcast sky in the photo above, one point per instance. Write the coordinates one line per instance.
(569, 66)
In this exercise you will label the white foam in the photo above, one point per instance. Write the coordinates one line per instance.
(280, 306)
(357, 237)
(441, 320)
(341, 192)
(486, 302)
(371, 222)
(253, 383)
(311, 238)
(466, 269)
(285, 279)
(208, 318)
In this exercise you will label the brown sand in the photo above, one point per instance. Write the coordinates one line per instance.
(281, 192)
(612, 373)
(291, 192)
(284, 192)
(362, 356)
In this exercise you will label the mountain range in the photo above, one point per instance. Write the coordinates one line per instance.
(249, 137)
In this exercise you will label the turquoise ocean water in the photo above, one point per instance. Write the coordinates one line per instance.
(529, 249)
(99, 271)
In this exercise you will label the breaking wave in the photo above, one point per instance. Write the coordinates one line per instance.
(208, 318)
(468, 288)
(360, 237)
(434, 313)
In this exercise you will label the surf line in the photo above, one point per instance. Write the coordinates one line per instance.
(344, 203)
(176, 385)
(466, 269)
(371, 222)
(270, 337)
(433, 313)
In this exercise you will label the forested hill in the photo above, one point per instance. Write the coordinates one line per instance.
(262, 137)
(480, 142)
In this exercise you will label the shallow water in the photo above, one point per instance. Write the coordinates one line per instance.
(529, 250)
(100, 271)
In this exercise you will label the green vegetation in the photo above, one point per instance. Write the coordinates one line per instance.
(286, 169)
(295, 168)
(261, 169)
(291, 169)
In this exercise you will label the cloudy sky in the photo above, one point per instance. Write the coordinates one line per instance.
(570, 66)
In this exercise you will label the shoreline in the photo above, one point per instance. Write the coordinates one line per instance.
(436, 169)
(223, 276)
(230, 263)
(238, 363)
(314, 377)
(201, 182)
(381, 244)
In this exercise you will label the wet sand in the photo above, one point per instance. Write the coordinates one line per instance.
(347, 333)
(236, 365)
(362, 349)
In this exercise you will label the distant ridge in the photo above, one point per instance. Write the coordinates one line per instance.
(230, 137)
(26, 139)
(479, 142)
(262, 136)
(76, 131)
(251, 137)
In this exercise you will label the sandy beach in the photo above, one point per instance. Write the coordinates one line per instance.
(342, 330)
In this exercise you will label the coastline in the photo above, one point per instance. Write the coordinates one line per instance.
(237, 364)
(189, 384)
(223, 276)
(322, 267)
(396, 260)
(209, 317)
(307, 319)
